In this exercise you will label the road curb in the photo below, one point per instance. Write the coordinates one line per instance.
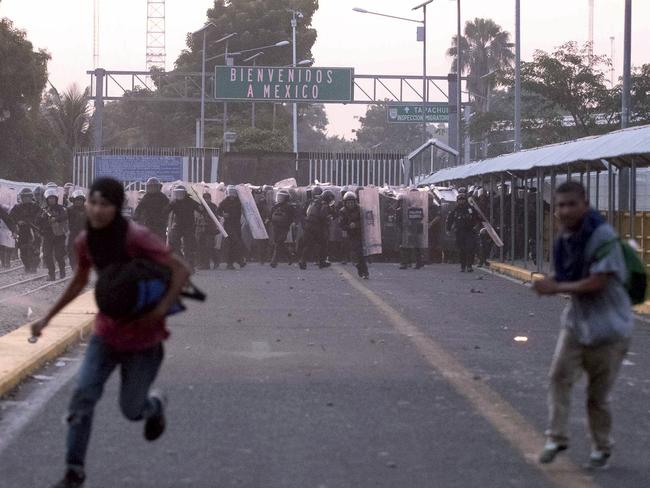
(528, 276)
(19, 358)
(515, 272)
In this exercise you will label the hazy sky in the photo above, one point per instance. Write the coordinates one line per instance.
(370, 44)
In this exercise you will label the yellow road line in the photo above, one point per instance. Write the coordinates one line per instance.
(493, 407)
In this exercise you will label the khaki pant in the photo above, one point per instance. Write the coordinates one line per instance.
(602, 364)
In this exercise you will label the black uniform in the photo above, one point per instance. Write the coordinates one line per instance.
(76, 223)
(152, 213)
(463, 220)
(182, 228)
(206, 233)
(25, 216)
(261, 246)
(230, 209)
(53, 224)
(282, 216)
(350, 222)
(406, 254)
(316, 232)
(5, 252)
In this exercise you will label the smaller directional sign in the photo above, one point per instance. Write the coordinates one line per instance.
(414, 113)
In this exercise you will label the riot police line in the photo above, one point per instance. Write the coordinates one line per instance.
(214, 224)
(39, 223)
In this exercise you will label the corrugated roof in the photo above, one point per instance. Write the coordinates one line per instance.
(618, 146)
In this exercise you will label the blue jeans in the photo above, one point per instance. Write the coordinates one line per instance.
(138, 372)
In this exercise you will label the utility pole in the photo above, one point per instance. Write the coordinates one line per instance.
(425, 85)
(95, 34)
(591, 31)
(459, 73)
(517, 75)
(294, 23)
(627, 67)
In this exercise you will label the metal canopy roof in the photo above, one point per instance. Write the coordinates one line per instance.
(619, 147)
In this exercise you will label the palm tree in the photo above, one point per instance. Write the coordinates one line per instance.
(486, 50)
(68, 116)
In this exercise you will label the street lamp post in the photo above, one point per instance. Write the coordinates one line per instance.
(458, 84)
(254, 59)
(517, 75)
(422, 6)
(204, 29)
(295, 14)
(425, 86)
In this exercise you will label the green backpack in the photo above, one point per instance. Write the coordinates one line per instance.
(637, 278)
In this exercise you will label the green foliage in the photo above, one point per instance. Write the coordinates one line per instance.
(25, 143)
(376, 131)
(573, 82)
(260, 140)
(485, 51)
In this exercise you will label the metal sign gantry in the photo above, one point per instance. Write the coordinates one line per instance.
(174, 86)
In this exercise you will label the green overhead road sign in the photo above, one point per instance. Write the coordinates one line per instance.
(273, 83)
(410, 114)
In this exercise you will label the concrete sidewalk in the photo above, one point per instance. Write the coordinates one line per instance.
(527, 276)
(19, 358)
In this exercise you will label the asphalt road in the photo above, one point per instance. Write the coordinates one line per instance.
(316, 379)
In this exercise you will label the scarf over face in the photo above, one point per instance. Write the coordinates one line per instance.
(108, 245)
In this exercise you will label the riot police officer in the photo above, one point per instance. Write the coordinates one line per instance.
(152, 209)
(261, 246)
(409, 227)
(206, 234)
(316, 229)
(53, 224)
(463, 220)
(182, 229)
(350, 222)
(25, 215)
(5, 251)
(231, 211)
(283, 214)
(76, 221)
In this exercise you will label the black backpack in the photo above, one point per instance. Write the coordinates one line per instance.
(128, 290)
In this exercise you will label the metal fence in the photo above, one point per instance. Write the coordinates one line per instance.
(199, 164)
(357, 168)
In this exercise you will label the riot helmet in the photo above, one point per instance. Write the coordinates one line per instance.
(179, 192)
(153, 185)
(51, 193)
(282, 196)
(26, 196)
(316, 191)
(328, 196)
(78, 196)
(207, 196)
(350, 199)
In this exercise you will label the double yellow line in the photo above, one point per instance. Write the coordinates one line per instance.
(503, 417)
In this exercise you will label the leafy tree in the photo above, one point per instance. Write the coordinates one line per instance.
(574, 83)
(485, 49)
(25, 146)
(68, 115)
(377, 132)
(257, 23)
(641, 95)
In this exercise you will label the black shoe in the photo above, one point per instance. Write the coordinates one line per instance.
(154, 426)
(470, 269)
(551, 449)
(462, 270)
(73, 478)
(302, 265)
(274, 265)
(598, 460)
(242, 264)
(51, 277)
(403, 266)
(366, 276)
(324, 264)
(230, 266)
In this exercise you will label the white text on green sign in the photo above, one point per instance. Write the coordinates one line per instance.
(283, 84)
(435, 112)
